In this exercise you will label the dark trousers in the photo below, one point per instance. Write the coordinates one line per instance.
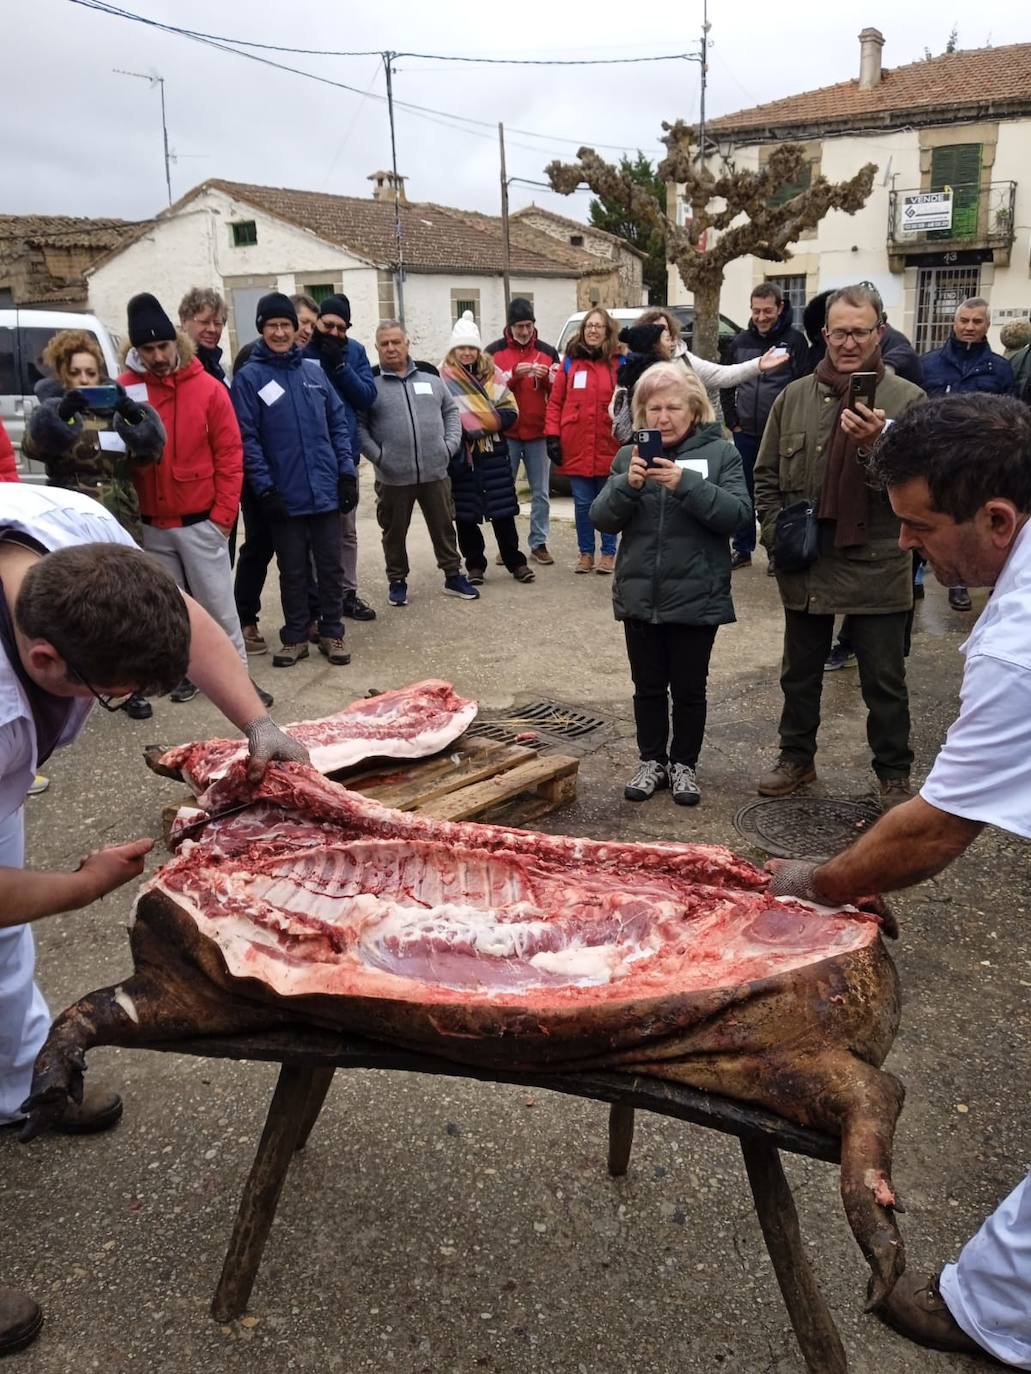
(748, 447)
(474, 550)
(669, 662)
(256, 554)
(844, 634)
(394, 506)
(299, 540)
(879, 644)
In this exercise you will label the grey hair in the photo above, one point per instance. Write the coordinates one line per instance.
(860, 294)
(975, 303)
(309, 302)
(384, 325)
(201, 298)
(673, 376)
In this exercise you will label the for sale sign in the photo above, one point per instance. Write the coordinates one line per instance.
(926, 210)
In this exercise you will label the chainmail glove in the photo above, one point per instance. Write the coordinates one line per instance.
(266, 742)
(794, 878)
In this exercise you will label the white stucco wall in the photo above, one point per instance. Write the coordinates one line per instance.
(428, 307)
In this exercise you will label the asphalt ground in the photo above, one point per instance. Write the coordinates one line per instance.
(442, 1226)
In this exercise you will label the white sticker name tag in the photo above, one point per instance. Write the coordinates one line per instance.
(699, 465)
(423, 388)
(109, 441)
(137, 392)
(271, 392)
(579, 381)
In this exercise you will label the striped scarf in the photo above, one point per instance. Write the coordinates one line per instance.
(479, 404)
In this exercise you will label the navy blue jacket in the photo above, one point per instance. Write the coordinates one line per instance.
(296, 438)
(958, 366)
(748, 405)
(352, 381)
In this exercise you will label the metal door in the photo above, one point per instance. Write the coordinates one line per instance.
(939, 291)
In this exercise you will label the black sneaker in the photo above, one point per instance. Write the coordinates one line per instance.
(959, 599)
(357, 609)
(740, 560)
(650, 778)
(138, 708)
(839, 657)
(397, 594)
(186, 691)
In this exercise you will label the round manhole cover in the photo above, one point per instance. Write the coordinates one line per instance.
(804, 827)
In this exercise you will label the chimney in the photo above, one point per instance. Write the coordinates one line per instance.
(383, 187)
(871, 41)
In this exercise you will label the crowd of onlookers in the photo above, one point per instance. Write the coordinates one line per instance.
(186, 449)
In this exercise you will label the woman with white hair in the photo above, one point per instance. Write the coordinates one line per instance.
(671, 589)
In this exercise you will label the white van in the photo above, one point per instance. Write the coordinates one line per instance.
(625, 315)
(24, 334)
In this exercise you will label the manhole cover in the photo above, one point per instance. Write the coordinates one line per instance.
(804, 827)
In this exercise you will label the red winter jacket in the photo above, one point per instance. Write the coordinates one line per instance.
(201, 469)
(578, 412)
(8, 467)
(531, 393)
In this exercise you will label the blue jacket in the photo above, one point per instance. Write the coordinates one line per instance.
(353, 382)
(966, 367)
(295, 436)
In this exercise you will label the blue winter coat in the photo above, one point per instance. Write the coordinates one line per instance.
(966, 367)
(295, 438)
(352, 381)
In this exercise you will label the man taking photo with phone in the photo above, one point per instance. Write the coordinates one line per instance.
(814, 451)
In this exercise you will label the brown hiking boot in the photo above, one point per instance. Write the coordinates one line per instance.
(785, 777)
(20, 1320)
(541, 555)
(334, 650)
(585, 563)
(894, 791)
(253, 641)
(916, 1309)
(289, 654)
(606, 563)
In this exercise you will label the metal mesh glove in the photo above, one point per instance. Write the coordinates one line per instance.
(266, 742)
(794, 878)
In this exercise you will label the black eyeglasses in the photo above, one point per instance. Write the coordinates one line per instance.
(110, 701)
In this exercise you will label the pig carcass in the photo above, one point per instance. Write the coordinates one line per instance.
(507, 948)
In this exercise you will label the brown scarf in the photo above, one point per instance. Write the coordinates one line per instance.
(845, 495)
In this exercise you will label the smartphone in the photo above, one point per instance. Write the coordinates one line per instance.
(649, 444)
(862, 386)
(100, 399)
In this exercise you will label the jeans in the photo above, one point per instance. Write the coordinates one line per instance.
(300, 539)
(533, 454)
(747, 446)
(585, 489)
(669, 662)
(474, 551)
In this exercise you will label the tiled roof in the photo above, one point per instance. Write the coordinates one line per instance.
(576, 226)
(62, 231)
(980, 79)
(43, 257)
(523, 237)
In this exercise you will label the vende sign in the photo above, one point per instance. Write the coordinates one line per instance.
(926, 210)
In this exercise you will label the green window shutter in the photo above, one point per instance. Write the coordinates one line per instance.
(958, 165)
(785, 193)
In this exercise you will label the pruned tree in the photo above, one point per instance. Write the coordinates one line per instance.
(716, 234)
(614, 219)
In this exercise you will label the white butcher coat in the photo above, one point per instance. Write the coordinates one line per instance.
(56, 519)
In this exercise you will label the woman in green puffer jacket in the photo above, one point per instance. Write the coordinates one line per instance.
(672, 582)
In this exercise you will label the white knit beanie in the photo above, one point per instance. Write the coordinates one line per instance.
(465, 333)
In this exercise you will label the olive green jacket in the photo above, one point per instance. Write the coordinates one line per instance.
(869, 579)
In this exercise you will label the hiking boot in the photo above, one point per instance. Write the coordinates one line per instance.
(38, 785)
(20, 1320)
(186, 691)
(397, 593)
(585, 563)
(959, 599)
(840, 656)
(457, 585)
(477, 576)
(253, 640)
(266, 698)
(523, 573)
(894, 791)
(740, 560)
(649, 778)
(357, 609)
(541, 555)
(684, 784)
(786, 776)
(606, 564)
(916, 1309)
(138, 708)
(334, 650)
(288, 654)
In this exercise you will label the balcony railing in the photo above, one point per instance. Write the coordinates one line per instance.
(982, 217)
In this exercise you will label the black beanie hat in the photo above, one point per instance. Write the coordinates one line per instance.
(148, 322)
(275, 306)
(520, 310)
(641, 338)
(336, 305)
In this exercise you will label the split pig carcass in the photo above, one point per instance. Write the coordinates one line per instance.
(505, 948)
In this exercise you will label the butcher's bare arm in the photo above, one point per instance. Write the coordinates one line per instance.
(912, 842)
(216, 668)
(27, 896)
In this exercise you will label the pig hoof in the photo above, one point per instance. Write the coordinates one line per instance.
(888, 1261)
(53, 1087)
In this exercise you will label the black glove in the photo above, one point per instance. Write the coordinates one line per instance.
(131, 411)
(331, 352)
(272, 506)
(347, 493)
(72, 403)
(554, 444)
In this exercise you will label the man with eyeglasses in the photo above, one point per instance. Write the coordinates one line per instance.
(814, 450)
(202, 318)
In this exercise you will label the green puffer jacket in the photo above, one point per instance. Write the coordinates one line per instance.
(870, 579)
(673, 564)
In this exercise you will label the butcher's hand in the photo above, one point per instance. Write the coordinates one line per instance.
(795, 878)
(266, 742)
(106, 869)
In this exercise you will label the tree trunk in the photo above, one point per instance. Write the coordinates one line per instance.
(706, 320)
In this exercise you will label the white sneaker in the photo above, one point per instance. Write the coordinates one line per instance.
(649, 778)
(684, 785)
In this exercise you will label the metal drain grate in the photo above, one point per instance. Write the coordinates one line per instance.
(489, 729)
(555, 718)
(804, 827)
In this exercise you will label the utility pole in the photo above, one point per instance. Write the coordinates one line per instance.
(704, 73)
(154, 80)
(506, 243)
(388, 58)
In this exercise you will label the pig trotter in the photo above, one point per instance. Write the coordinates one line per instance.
(55, 1083)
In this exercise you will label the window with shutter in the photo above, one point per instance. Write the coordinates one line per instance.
(958, 165)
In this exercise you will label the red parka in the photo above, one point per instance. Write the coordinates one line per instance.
(578, 412)
(8, 466)
(201, 469)
(531, 393)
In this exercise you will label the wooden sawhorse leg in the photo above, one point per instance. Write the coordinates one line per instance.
(621, 1138)
(814, 1327)
(290, 1104)
(321, 1078)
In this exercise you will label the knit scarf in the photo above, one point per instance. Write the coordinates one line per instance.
(478, 404)
(845, 496)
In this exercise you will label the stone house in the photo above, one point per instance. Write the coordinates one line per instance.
(43, 258)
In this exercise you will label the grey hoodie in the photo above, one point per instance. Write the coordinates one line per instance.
(412, 430)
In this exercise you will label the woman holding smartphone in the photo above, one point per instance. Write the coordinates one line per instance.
(676, 504)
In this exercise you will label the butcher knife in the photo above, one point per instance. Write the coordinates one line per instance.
(192, 829)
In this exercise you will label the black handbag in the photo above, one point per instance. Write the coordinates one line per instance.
(796, 538)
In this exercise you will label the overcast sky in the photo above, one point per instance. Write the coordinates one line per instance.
(81, 140)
